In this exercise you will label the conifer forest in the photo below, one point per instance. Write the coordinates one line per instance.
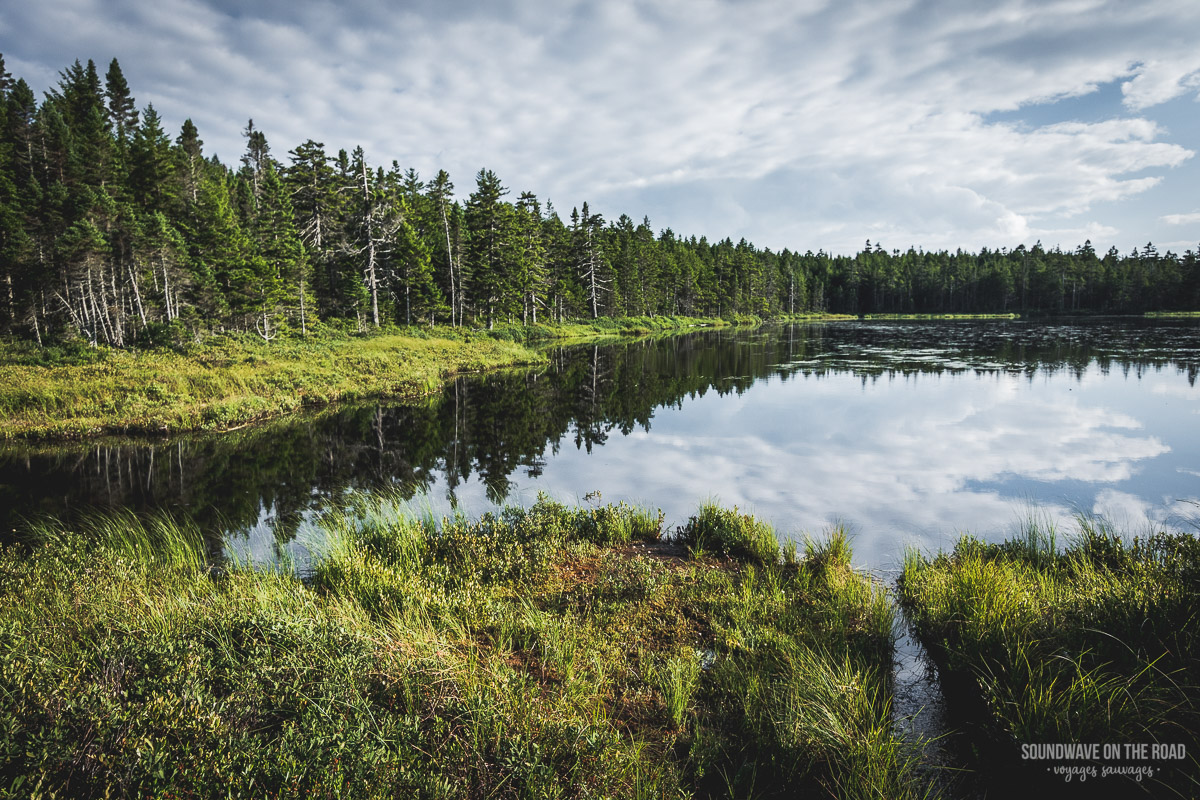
(114, 230)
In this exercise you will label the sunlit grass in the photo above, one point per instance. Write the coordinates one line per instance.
(230, 382)
(1084, 638)
(540, 652)
(940, 316)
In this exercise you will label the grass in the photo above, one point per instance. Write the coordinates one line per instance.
(73, 391)
(606, 327)
(602, 327)
(229, 382)
(1169, 314)
(1094, 641)
(941, 316)
(544, 652)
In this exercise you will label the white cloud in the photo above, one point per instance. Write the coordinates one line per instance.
(1161, 79)
(1138, 515)
(1182, 219)
(876, 112)
(935, 464)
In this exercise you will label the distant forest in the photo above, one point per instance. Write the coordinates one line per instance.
(113, 231)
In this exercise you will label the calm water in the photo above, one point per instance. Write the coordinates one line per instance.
(909, 433)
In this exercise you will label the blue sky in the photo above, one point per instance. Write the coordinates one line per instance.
(804, 124)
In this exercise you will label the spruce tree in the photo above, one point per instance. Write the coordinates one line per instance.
(441, 190)
(152, 164)
(490, 247)
(530, 278)
(189, 161)
(122, 111)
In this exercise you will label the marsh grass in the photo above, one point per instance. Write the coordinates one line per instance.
(540, 652)
(941, 316)
(727, 532)
(1092, 641)
(231, 381)
(602, 327)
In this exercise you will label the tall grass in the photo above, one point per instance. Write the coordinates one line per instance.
(529, 653)
(1094, 641)
(727, 532)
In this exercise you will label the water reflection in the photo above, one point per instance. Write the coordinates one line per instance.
(909, 432)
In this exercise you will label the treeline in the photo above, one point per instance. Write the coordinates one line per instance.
(112, 230)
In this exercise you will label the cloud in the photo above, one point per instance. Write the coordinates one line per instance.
(1161, 79)
(800, 121)
(946, 457)
(1137, 515)
(1182, 219)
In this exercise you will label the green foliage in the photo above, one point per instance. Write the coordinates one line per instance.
(223, 382)
(726, 532)
(126, 229)
(1096, 641)
(511, 656)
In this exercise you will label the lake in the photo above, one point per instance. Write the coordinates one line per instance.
(907, 432)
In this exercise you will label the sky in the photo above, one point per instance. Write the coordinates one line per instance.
(801, 124)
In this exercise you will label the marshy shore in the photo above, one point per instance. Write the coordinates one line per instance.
(560, 651)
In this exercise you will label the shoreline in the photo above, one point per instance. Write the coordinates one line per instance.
(547, 650)
(229, 382)
(706, 660)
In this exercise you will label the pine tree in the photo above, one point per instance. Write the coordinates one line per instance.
(589, 259)
(489, 230)
(162, 250)
(315, 200)
(441, 190)
(282, 271)
(122, 111)
(257, 155)
(190, 161)
(413, 287)
(531, 263)
(152, 164)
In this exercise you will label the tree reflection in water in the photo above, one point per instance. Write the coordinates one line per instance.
(491, 427)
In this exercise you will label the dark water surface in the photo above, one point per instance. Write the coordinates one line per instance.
(907, 432)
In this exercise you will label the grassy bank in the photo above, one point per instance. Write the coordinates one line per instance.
(548, 652)
(1097, 642)
(226, 382)
(605, 327)
(941, 316)
(78, 391)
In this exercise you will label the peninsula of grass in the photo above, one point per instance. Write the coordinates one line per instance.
(610, 327)
(603, 327)
(78, 391)
(227, 381)
(539, 653)
(1173, 314)
(1095, 643)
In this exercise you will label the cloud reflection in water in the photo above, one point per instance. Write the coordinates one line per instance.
(903, 460)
